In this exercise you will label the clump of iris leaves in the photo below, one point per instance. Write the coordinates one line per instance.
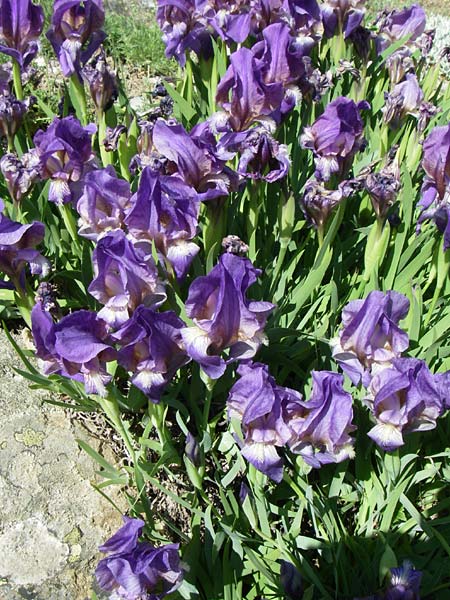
(236, 147)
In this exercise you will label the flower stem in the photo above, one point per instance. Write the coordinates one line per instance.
(17, 80)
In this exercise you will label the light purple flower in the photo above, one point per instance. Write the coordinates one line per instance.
(17, 249)
(405, 99)
(251, 99)
(103, 203)
(165, 210)
(435, 201)
(258, 402)
(136, 570)
(65, 154)
(223, 316)
(151, 349)
(21, 23)
(76, 32)
(404, 398)
(399, 24)
(20, 174)
(322, 426)
(370, 336)
(125, 277)
(78, 347)
(335, 137)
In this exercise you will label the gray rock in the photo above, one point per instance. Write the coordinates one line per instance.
(51, 518)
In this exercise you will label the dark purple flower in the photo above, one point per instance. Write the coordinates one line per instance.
(78, 347)
(151, 349)
(335, 137)
(258, 402)
(234, 245)
(101, 81)
(342, 16)
(404, 398)
(192, 158)
(20, 174)
(192, 450)
(12, 112)
(318, 202)
(405, 99)
(399, 24)
(113, 134)
(184, 27)
(125, 277)
(223, 316)
(435, 203)
(103, 203)
(291, 580)
(17, 249)
(404, 584)
(322, 425)
(370, 335)
(261, 156)
(136, 570)
(232, 21)
(165, 210)
(383, 188)
(399, 64)
(65, 154)
(279, 58)
(76, 32)
(243, 94)
(21, 23)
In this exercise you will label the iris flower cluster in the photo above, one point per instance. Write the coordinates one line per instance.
(402, 394)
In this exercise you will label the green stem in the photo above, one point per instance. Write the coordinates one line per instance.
(17, 80)
(79, 98)
(106, 156)
(71, 226)
(110, 407)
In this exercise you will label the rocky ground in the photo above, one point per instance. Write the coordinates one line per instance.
(51, 518)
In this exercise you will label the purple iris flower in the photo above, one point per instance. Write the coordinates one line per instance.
(404, 398)
(125, 277)
(383, 188)
(151, 349)
(405, 99)
(342, 16)
(136, 570)
(165, 210)
(76, 32)
(303, 16)
(404, 584)
(102, 82)
(335, 137)
(21, 23)
(261, 156)
(318, 202)
(190, 158)
(435, 201)
(103, 203)
(398, 24)
(184, 27)
(232, 21)
(258, 402)
(12, 112)
(243, 94)
(65, 153)
(370, 335)
(280, 60)
(20, 174)
(78, 347)
(17, 249)
(322, 425)
(223, 316)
